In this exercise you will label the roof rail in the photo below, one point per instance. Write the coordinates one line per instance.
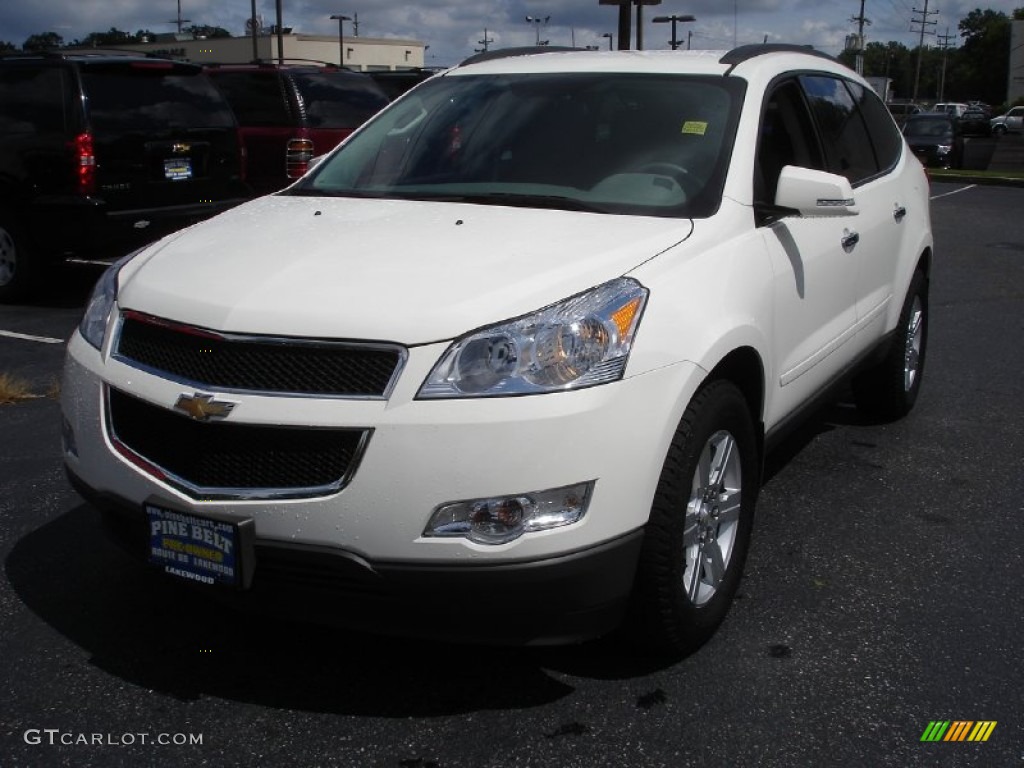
(744, 53)
(504, 53)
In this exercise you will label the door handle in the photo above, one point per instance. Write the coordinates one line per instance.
(899, 212)
(850, 240)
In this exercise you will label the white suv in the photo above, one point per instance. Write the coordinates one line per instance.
(506, 364)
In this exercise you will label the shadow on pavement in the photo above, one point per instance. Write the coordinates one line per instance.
(163, 636)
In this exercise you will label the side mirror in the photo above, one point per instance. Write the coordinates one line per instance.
(815, 193)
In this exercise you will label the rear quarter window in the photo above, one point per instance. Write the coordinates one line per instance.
(258, 99)
(33, 100)
(885, 136)
(338, 101)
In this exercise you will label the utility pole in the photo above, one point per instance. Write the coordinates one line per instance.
(923, 21)
(861, 21)
(945, 45)
(485, 42)
(179, 21)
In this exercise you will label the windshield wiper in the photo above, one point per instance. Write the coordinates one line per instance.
(556, 202)
(519, 200)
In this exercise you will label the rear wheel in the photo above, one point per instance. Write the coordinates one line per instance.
(890, 389)
(18, 271)
(697, 537)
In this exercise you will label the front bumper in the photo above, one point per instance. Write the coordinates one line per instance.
(554, 600)
(358, 557)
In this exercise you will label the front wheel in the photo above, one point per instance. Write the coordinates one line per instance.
(697, 537)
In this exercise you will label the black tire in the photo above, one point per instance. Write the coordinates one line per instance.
(19, 272)
(889, 390)
(672, 611)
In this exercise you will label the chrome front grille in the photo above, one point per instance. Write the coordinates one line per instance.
(257, 364)
(221, 459)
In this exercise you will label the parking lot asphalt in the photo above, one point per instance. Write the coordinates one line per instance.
(884, 592)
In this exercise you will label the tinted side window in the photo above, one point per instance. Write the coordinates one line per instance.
(258, 100)
(848, 149)
(33, 100)
(786, 137)
(885, 136)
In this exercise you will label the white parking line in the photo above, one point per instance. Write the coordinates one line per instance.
(954, 192)
(27, 337)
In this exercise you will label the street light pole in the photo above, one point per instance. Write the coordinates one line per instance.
(610, 37)
(674, 18)
(341, 36)
(538, 21)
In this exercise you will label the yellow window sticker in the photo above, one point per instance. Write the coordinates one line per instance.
(695, 127)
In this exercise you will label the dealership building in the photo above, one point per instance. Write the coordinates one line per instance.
(364, 54)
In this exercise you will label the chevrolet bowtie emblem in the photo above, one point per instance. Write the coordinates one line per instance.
(203, 407)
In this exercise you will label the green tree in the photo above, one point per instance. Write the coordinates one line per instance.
(6, 47)
(111, 38)
(202, 30)
(42, 42)
(984, 58)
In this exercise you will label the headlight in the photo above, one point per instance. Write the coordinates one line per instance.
(579, 342)
(94, 322)
(944, 149)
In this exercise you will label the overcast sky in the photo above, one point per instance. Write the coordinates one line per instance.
(454, 28)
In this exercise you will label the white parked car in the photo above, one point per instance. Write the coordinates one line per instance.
(505, 365)
(952, 108)
(1012, 121)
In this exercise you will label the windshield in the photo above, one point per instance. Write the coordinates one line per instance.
(613, 143)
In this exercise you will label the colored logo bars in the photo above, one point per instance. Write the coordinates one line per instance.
(958, 730)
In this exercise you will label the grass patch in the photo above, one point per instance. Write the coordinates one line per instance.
(14, 390)
(992, 177)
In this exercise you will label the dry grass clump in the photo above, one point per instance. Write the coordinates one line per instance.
(14, 390)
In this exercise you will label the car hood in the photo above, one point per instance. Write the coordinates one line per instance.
(405, 271)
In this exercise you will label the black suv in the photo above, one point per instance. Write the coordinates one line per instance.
(103, 153)
(288, 113)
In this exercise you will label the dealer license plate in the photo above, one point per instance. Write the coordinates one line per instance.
(205, 550)
(178, 168)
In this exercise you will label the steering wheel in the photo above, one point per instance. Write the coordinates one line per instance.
(677, 173)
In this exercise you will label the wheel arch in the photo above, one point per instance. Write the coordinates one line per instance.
(744, 368)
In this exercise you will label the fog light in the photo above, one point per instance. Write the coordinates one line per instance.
(502, 519)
